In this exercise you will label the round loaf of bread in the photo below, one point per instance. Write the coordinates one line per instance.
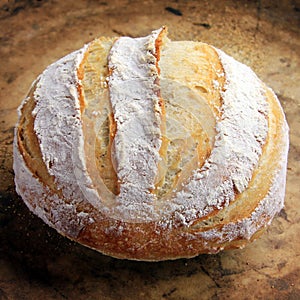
(151, 149)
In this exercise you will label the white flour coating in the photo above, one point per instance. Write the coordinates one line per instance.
(133, 93)
(53, 210)
(241, 133)
(57, 121)
(133, 87)
(58, 127)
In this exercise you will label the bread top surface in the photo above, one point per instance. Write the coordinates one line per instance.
(150, 131)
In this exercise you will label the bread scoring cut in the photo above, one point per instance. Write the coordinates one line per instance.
(148, 149)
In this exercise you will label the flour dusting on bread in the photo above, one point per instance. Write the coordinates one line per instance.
(148, 149)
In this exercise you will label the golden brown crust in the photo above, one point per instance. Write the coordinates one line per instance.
(191, 80)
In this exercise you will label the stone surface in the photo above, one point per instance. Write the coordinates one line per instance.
(36, 262)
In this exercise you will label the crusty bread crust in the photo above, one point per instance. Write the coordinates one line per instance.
(168, 151)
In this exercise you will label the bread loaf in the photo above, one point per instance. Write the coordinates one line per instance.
(151, 149)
